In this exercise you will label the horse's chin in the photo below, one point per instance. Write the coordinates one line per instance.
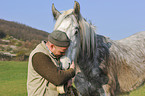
(65, 61)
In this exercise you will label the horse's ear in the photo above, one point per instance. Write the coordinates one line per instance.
(55, 12)
(77, 8)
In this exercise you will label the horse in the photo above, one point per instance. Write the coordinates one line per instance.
(104, 67)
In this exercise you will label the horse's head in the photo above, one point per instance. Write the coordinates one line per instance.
(68, 23)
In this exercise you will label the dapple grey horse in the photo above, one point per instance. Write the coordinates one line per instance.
(107, 67)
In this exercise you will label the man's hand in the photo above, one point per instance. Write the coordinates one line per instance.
(69, 83)
(72, 65)
(72, 80)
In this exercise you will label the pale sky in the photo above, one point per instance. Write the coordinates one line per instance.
(116, 19)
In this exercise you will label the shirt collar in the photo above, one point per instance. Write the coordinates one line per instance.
(51, 53)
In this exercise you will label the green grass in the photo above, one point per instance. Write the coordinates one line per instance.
(139, 92)
(13, 77)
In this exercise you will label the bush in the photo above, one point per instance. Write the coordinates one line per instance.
(2, 48)
(21, 53)
(19, 44)
(2, 34)
(8, 49)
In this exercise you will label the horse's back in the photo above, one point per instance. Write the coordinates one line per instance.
(135, 39)
(129, 54)
(136, 42)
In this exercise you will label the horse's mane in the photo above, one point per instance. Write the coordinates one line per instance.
(87, 38)
(122, 59)
(92, 46)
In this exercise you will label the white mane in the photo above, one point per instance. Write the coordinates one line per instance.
(87, 36)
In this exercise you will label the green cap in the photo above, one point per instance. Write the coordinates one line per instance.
(59, 38)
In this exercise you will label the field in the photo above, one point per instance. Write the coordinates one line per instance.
(13, 76)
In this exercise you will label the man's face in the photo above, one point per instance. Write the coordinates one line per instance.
(59, 51)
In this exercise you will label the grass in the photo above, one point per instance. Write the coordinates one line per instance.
(139, 92)
(13, 77)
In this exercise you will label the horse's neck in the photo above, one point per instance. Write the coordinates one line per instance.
(103, 45)
(99, 54)
(90, 66)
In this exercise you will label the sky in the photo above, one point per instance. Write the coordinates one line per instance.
(116, 19)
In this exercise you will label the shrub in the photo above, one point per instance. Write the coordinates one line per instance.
(2, 34)
(2, 48)
(8, 49)
(21, 53)
(18, 44)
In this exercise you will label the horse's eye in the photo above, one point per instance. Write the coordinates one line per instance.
(77, 29)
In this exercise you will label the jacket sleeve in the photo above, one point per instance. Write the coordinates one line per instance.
(43, 65)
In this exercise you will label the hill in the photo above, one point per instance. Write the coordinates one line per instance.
(18, 40)
(21, 31)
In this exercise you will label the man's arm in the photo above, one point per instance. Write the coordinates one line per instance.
(45, 67)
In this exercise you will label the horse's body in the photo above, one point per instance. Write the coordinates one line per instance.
(107, 67)
(126, 63)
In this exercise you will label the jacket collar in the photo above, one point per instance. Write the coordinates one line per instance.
(51, 54)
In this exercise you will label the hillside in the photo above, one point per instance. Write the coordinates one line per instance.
(18, 40)
(21, 31)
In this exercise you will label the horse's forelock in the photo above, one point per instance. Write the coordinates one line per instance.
(62, 17)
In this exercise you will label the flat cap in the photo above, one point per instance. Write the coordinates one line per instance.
(59, 38)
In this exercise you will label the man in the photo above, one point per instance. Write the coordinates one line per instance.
(44, 71)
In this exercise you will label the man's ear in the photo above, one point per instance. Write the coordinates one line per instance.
(52, 47)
